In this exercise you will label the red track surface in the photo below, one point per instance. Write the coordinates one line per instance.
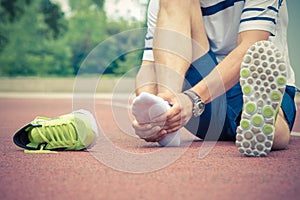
(222, 174)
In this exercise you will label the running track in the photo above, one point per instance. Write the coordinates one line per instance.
(222, 174)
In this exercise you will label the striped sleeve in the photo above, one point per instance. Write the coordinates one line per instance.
(260, 15)
(151, 23)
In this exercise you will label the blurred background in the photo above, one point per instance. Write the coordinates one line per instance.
(51, 38)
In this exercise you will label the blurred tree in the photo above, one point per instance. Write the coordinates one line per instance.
(86, 29)
(30, 49)
(124, 43)
(53, 17)
(126, 62)
(99, 3)
(36, 38)
(10, 11)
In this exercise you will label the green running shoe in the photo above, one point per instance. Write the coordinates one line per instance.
(263, 80)
(75, 131)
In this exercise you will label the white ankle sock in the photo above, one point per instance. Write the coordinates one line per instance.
(148, 106)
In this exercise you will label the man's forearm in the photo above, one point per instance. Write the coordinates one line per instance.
(227, 73)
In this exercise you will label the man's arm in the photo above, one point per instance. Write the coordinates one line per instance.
(222, 78)
(227, 72)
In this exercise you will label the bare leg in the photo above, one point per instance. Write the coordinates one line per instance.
(282, 133)
(200, 42)
(178, 22)
(146, 79)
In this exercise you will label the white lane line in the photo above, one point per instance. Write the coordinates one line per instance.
(117, 104)
(295, 133)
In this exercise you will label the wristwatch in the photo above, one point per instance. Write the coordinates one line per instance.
(198, 104)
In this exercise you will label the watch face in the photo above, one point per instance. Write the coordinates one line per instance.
(198, 108)
(198, 104)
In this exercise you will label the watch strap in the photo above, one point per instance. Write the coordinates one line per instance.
(192, 95)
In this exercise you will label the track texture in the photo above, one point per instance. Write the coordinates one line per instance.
(223, 174)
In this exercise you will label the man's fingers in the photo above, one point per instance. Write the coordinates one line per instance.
(172, 126)
(156, 137)
(141, 127)
(148, 133)
(160, 118)
(174, 111)
(176, 118)
(176, 128)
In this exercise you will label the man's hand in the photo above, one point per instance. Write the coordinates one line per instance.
(178, 115)
(149, 132)
(171, 121)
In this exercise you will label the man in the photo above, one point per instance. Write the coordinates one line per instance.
(224, 68)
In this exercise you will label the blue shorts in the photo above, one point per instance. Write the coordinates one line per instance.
(222, 116)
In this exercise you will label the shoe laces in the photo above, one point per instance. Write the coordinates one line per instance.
(55, 136)
(41, 150)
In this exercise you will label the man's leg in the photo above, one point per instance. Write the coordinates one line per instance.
(285, 119)
(188, 34)
(282, 132)
(200, 41)
(174, 50)
(178, 22)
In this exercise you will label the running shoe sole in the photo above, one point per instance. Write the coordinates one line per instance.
(263, 81)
